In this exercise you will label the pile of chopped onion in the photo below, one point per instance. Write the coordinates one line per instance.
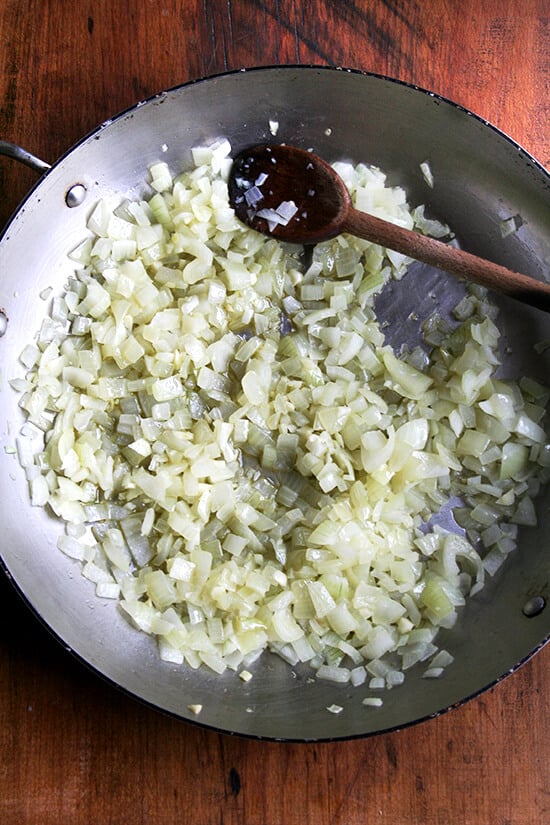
(242, 461)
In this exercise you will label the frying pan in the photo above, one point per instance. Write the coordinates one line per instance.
(481, 178)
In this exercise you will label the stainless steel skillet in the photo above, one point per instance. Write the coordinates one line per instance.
(481, 178)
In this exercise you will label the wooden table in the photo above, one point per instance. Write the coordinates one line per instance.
(73, 749)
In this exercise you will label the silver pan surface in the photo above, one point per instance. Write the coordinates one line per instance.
(481, 178)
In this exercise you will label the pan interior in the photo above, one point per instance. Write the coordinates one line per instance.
(481, 179)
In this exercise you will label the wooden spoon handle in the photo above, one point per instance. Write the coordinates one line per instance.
(441, 255)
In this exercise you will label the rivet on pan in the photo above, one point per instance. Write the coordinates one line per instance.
(3, 323)
(534, 606)
(75, 195)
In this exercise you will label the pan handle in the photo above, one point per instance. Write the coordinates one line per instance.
(17, 153)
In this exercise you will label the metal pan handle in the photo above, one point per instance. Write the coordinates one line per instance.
(17, 153)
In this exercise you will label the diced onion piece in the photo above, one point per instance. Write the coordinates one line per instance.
(427, 173)
(373, 701)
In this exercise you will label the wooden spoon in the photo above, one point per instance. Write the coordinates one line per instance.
(294, 196)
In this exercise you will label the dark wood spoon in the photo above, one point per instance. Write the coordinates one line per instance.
(293, 195)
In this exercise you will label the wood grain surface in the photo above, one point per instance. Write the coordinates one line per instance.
(72, 748)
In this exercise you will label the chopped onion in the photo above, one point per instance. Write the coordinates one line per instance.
(373, 701)
(196, 709)
(426, 170)
(241, 459)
